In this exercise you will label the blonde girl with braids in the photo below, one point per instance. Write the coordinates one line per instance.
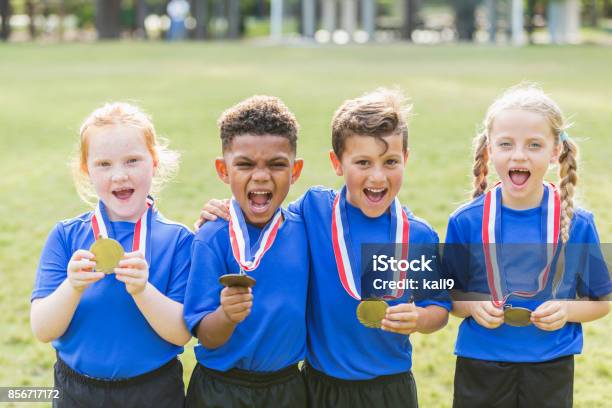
(516, 336)
(116, 325)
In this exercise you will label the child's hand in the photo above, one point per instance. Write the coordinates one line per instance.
(236, 303)
(551, 315)
(486, 314)
(133, 270)
(211, 211)
(401, 318)
(80, 270)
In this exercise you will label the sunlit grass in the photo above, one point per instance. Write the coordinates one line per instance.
(46, 91)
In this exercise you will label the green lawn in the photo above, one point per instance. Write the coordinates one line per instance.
(46, 91)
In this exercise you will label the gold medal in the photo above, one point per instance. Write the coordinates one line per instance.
(371, 312)
(108, 253)
(237, 279)
(517, 316)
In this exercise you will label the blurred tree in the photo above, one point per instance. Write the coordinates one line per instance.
(31, 12)
(233, 19)
(593, 13)
(260, 9)
(5, 14)
(411, 9)
(201, 12)
(465, 18)
(140, 13)
(108, 14)
(530, 19)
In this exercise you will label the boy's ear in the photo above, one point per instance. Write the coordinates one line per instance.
(298, 165)
(406, 155)
(221, 168)
(336, 164)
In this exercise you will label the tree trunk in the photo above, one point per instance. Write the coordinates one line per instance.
(107, 18)
(30, 11)
(465, 18)
(593, 14)
(530, 16)
(410, 18)
(233, 19)
(260, 9)
(200, 11)
(60, 26)
(5, 14)
(139, 17)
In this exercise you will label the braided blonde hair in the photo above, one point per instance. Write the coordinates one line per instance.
(531, 98)
(121, 113)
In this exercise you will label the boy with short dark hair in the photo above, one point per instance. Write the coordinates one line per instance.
(251, 339)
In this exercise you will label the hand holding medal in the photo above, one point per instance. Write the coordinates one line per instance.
(236, 303)
(372, 311)
(486, 314)
(491, 236)
(402, 318)
(133, 270)
(80, 270)
(551, 315)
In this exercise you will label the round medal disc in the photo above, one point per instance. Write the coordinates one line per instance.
(237, 279)
(371, 312)
(517, 316)
(108, 253)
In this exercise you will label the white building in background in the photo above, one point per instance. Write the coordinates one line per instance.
(339, 20)
(563, 20)
(343, 21)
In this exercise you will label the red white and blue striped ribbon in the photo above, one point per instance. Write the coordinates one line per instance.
(141, 229)
(239, 237)
(341, 241)
(491, 235)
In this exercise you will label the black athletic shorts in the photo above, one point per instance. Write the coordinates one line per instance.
(492, 384)
(390, 391)
(239, 388)
(162, 387)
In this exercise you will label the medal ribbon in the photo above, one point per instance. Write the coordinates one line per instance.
(491, 235)
(239, 237)
(341, 243)
(141, 229)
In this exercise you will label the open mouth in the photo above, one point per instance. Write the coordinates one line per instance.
(519, 176)
(259, 200)
(123, 193)
(375, 195)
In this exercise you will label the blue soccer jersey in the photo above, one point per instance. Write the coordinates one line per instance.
(521, 267)
(108, 337)
(338, 344)
(273, 336)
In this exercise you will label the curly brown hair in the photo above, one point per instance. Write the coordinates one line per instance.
(258, 115)
(377, 114)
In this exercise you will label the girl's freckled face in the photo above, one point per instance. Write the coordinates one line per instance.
(121, 170)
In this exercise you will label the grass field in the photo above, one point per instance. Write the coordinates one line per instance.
(46, 91)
